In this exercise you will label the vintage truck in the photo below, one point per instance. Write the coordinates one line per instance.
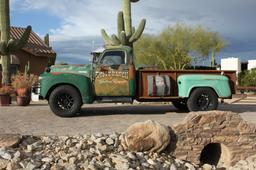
(112, 78)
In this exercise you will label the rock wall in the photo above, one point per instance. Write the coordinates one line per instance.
(221, 138)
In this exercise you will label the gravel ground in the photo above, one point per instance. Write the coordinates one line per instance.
(37, 119)
(88, 152)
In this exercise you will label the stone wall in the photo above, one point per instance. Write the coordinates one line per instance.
(220, 138)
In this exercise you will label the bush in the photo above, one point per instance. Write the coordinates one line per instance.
(247, 78)
(21, 80)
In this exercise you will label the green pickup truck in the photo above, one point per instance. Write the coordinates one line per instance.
(112, 78)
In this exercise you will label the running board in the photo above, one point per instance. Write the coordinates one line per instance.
(114, 100)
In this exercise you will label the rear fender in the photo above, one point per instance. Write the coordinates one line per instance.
(219, 83)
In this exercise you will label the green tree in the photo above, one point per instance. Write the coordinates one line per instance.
(168, 50)
(247, 78)
(175, 47)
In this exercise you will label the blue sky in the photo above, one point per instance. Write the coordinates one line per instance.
(74, 25)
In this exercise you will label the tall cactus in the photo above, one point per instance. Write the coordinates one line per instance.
(126, 34)
(8, 45)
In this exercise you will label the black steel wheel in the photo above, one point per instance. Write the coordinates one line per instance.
(65, 101)
(180, 104)
(202, 99)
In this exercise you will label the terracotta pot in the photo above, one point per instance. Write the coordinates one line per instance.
(5, 99)
(23, 92)
(23, 100)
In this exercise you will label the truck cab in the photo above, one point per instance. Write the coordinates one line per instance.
(112, 78)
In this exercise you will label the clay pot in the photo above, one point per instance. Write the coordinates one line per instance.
(5, 99)
(23, 100)
(23, 91)
(23, 97)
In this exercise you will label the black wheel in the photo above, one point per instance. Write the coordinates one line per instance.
(180, 104)
(202, 99)
(65, 101)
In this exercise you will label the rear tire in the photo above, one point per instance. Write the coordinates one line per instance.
(202, 99)
(180, 104)
(65, 101)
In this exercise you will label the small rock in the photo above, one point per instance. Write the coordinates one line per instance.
(29, 148)
(98, 135)
(4, 154)
(144, 164)
(207, 167)
(71, 167)
(3, 163)
(151, 162)
(72, 160)
(47, 159)
(110, 141)
(173, 167)
(189, 166)
(47, 140)
(120, 162)
(131, 156)
(101, 147)
(30, 166)
(114, 136)
(16, 155)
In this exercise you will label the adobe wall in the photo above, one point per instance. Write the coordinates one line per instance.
(37, 63)
(226, 131)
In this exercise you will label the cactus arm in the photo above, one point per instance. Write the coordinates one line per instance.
(120, 23)
(115, 40)
(123, 38)
(127, 17)
(106, 38)
(19, 44)
(138, 32)
(133, 30)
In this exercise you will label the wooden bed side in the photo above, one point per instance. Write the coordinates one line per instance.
(142, 85)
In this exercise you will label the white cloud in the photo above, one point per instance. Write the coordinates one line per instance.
(83, 18)
(87, 17)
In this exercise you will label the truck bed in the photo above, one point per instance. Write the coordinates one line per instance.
(142, 85)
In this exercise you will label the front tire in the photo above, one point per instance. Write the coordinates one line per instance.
(202, 99)
(65, 101)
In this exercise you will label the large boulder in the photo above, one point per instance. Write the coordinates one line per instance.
(146, 136)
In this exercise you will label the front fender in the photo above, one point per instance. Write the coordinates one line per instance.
(219, 83)
(83, 84)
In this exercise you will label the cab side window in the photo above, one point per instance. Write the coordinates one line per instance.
(113, 58)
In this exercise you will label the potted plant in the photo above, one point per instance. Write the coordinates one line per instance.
(5, 97)
(23, 83)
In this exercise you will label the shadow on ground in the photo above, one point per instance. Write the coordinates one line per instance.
(133, 109)
(238, 108)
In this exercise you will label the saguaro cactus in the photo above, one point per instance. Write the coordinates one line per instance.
(8, 45)
(126, 34)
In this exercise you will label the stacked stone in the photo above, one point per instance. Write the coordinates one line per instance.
(95, 152)
(236, 136)
(249, 163)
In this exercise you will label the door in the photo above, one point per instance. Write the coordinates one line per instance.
(112, 75)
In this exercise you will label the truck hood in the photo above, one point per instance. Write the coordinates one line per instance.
(85, 70)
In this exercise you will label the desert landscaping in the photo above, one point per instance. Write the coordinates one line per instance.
(203, 140)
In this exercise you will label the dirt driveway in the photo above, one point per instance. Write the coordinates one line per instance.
(37, 119)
